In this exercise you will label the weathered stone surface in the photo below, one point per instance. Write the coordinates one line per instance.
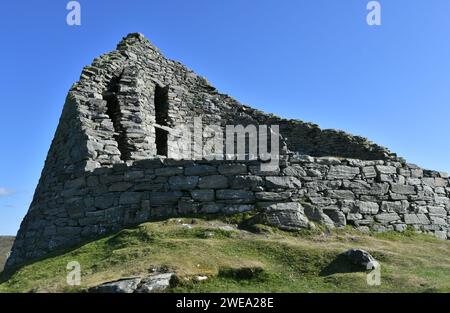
(247, 182)
(169, 171)
(369, 172)
(337, 217)
(387, 217)
(232, 169)
(282, 182)
(160, 198)
(213, 182)
(130, 198)
(411, 219)
(396, 206)
(365, 207)
(361, 258)
(120, 186)
(438, 211)
(294, 170)
(386, 170)
(120, 286)
(343, 172)
(151, 284)
(403, 189)
(341, 194)
(155, 283)
(317, 215)
(286, 216)
(231, 194)
(205, 195)
(200, 170)
(273, 196)
(183, 182)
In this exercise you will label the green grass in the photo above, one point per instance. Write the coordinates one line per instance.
(240, 261)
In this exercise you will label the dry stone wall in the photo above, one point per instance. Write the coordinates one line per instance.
(112, 163)
(370, 195)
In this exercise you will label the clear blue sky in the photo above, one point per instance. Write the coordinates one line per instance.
(316, 60)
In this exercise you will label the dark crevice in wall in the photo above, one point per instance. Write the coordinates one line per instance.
(114, 113)
(161, 116)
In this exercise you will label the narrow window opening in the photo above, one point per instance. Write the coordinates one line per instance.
(114, 113)
(161, 116)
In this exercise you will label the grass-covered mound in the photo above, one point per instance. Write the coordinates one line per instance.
(241, 261)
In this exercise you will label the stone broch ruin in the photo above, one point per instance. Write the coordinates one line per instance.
(113, 164)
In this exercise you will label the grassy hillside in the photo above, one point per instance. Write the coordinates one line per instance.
(6, 243)
(241, 261)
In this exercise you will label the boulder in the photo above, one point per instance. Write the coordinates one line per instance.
(361, 258)
(286, 216)
(150, 284)
(120, 286)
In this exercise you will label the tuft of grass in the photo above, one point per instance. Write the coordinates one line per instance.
(237, 260)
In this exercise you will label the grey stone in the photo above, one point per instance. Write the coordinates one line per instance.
(104, 202)
(437, 220)
(403, 189)
(205, 195)
(130, 198)
(386, 170)
(433, 210)
(328, 160)
(337, 217)
(364, 207)
(340, 194)
(282, 182)
(387, 217)
(411, 219)
(369, 172)
(183, 182)
(287, 216)
(212, 207)
(232, 169)
(213, 182)
(273, 196)
(232, 194)
(169, 171)
(200, 170)
(343, 172)
(247, 182)
(361, 258)
(400, 227)
(120, 186)
(75, 183)
(294, 170)
(155, 283)
(120, 286)
(397, 206)
(159, 198)
(442, 235)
